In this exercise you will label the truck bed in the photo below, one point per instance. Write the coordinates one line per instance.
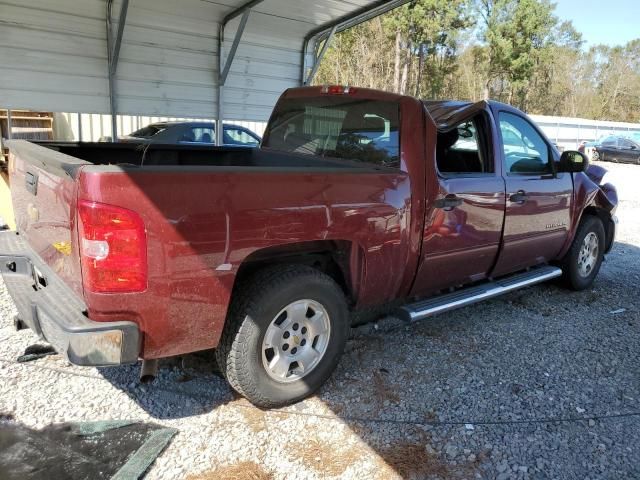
(206, 212)
(132, 154)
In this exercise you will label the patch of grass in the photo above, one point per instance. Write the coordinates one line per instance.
(238, 471)
(411, 460)
(326, 459)
(255, 418)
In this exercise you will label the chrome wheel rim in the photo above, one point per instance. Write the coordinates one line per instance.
(296, 340)
(588, 255)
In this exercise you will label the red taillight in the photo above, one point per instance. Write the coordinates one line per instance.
(337, 90)
(113, 248)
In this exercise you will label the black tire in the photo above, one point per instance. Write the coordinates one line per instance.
(571, 275)
(255, 305)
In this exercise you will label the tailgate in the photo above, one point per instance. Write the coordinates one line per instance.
(43, 192)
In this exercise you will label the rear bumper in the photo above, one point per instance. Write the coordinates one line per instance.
(54, 312)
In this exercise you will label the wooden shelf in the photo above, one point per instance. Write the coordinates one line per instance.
(22, 121)
(14, 118)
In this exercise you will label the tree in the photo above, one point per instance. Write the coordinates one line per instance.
(516, 33)
(516, 51)
(555, 87)
(423, 38)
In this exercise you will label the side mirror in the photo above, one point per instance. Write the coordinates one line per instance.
(572, 161)
(465, 132)
(633, 147)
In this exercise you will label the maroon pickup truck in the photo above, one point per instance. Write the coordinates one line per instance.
(356, 198)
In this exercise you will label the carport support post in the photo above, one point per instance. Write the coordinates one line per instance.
(347, 21)
(9, 124)
(224, 65)
(79, 126)
(113, 54)
(219, 96)
(318, 58)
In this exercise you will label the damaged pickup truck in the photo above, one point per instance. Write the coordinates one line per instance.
(356, 198)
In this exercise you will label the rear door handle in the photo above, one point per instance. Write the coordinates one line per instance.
(449, 202)
(519, 197)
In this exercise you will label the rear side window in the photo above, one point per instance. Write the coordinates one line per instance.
(199, 135)
(464, 149)
(337, 126)
(237, 136)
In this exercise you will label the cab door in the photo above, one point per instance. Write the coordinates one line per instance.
(465, 206)
(608, 149)
(539, 200)
(628, 151)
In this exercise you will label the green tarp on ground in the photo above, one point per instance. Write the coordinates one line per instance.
(116, 450)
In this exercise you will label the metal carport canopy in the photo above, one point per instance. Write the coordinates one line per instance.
(161, 57)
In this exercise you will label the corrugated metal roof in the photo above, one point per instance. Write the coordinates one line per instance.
(53, 55)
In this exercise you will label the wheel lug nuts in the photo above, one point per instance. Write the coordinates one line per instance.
(304, 330)
(303, 342)
(286, 335)
(285, 347)
(294, 350)
(295, 326)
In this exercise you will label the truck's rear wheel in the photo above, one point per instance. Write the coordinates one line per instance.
(582, 262)
(286, 329)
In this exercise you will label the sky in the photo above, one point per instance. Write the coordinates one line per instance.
(612, 22)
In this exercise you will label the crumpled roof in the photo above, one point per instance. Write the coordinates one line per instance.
(446, 114)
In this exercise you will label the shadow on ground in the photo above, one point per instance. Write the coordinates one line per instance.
(539, 378)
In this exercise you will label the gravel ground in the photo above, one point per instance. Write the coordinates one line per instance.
(541, 383)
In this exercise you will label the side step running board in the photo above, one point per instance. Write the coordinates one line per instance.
(475, 294)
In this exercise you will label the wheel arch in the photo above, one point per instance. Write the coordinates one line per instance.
(342, 260)
(607, 222)
(592, 198)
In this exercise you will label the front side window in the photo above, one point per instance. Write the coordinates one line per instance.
(610, 142)
(525, 151)
(626, 144)
(337, 126)
(199, 135)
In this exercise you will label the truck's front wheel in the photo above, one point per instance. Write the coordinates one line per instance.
(287, 327)
(582, 262)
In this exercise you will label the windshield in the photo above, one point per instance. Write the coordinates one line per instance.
(337, 126)
(148, 131)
